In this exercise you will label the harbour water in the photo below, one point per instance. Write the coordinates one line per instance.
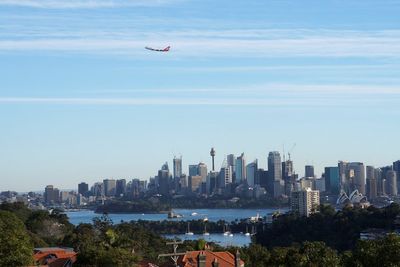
(228, 215)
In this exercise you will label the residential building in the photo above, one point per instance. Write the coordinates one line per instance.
(305, 202)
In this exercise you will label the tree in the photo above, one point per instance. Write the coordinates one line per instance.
(15, 245)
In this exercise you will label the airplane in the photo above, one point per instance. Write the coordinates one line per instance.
(158, 50)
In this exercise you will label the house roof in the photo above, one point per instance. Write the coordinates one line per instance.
(225, 258)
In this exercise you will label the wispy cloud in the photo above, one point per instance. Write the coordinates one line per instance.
(346, 44)
(65, 4)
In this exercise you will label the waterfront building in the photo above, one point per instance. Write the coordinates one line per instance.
(305, 202)
(109, 187)
(309, 171)
(83, 188)
(332, 180)
(240, 170)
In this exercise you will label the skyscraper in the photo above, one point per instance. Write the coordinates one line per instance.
(109, 187)
(163, 179)
(83, 188)
(396, 168)
(288, 176)
(275, 173)
(309, 171)
(51, 195)
(177, 167)
(352, 176)
(120, 187)
(251, 172)
(332, 180)
(193, 170)
(225, 176)
(305, 202)
(371, 183)
(391, 183)
(202, 169)
(240, 169)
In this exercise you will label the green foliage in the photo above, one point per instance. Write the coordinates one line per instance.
(15, 246)
(339, 230)
(383, 252)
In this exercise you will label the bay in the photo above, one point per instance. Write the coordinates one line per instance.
(228, 215)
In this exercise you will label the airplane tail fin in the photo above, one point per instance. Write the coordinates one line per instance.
(167, 48)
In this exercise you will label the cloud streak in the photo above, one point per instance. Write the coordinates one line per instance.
(314, 44)
(76, 4)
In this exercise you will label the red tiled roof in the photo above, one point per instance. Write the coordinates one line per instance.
(225, 259)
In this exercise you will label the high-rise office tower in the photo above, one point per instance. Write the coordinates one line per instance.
(135, 188)
(309, 171)
(177, 167)
(380, 182)
(240, 171)
(83, 188)
(275, 173)
(98, 190)
(163, 179)
(202, 171)
(352, 176)
(225, 176)
(212, 154)
(332, 180)
(305, 202)
(358, 169)
(231, 161)
(194, 183)
(109, 187)
(193, 169)
(391, 183)
(251, 172)
(263, 179)
(120, 188)
(288, 176)
(371, 183)
(396, 168)
(51, 195)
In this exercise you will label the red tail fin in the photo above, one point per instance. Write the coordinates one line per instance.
(167, 48)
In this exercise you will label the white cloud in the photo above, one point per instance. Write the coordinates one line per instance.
(313, 43)
(65, 4)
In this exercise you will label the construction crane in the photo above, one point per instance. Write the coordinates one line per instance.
(291, 149)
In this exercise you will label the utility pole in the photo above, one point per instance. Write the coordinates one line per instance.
(175, 255)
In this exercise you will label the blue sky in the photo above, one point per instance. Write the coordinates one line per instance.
(82, 100)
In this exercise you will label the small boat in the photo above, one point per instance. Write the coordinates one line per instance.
(226, 232)
(173, 215)
(247, 231)
(205, 219)
(188, 230)
(231, 234)
(194, 214)
(205, 230)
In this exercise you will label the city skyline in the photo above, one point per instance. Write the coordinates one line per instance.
(81, 98)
